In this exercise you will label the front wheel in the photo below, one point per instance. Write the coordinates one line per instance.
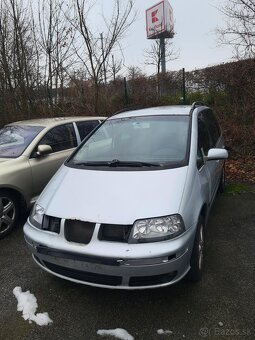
(9, 211)
(197, 256)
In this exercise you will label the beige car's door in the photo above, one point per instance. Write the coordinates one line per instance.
(62, 140)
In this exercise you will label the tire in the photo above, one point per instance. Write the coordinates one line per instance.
(196, 260)
(9, 212)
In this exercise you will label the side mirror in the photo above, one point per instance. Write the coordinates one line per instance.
(216, 154)
(43, 150)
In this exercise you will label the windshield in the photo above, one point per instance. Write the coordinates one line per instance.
(15, 139)
(136, 141)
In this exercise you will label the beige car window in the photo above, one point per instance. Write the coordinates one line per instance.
(86, 127)
(60, 138)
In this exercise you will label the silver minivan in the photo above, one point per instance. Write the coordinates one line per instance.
(128, 208)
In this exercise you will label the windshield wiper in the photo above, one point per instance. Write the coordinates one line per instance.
(117, 163)
(92, 163)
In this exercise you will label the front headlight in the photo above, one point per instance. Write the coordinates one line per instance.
(157, 229)
(36, 216)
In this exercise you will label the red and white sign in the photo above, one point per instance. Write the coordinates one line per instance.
(159, 21)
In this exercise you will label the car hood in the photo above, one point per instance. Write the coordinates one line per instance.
(5, 159)
(114, 197)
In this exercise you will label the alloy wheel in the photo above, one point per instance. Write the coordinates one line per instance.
(7, 214)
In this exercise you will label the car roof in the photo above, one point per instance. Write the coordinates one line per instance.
(50, 122)
(156, 111)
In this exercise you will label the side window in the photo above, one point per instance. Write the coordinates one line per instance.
(200, 159)
(86, 127)
(213, 127)
(60, 138)
(203, 144)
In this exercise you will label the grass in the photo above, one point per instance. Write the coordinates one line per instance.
(237, 188)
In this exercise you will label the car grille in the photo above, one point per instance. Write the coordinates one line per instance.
(105, 279)
(108, 261)
(108, 280)
(114, 232)
(78, 231)
(51, 224)
(139, 281)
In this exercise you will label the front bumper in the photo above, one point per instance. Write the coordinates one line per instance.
(112, 264)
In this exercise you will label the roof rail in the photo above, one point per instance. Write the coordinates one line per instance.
(197, 104)
(130, 108)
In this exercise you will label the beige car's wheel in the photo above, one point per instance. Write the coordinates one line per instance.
(8, 212)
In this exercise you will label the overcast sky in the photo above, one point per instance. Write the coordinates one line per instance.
(195, 22)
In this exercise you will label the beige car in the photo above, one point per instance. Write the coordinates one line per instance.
(30, 153)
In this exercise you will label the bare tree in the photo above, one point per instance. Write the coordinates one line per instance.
(115, 67)
(95, 51)
(17, 57)
(134, 72)
(239, 29)
(153, 55)
(5, 51)
(56, 40)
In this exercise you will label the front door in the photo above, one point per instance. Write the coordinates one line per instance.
(62, 140)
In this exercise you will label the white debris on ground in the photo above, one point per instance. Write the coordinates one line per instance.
(27, 304)
(161, 331)
(220, 324)
(118, 333)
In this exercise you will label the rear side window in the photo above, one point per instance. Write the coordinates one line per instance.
(86, 127)
(203, 137)
(60, 138)
(213, 127)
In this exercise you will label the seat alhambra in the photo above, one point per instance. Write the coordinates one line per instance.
(128, 208)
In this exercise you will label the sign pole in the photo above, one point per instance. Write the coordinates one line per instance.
(160, 25)
(183, 86)
(102, 46)
(125, 91)
(163, 55)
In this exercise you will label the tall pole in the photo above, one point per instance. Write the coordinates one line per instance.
(102, 46)
(125, 91)
(162, 47)
(183, 86)
(113, 68)
(163, 55)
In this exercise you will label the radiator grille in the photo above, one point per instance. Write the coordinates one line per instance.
(78, 231)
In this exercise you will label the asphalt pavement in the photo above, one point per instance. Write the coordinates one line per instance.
(221, 306)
